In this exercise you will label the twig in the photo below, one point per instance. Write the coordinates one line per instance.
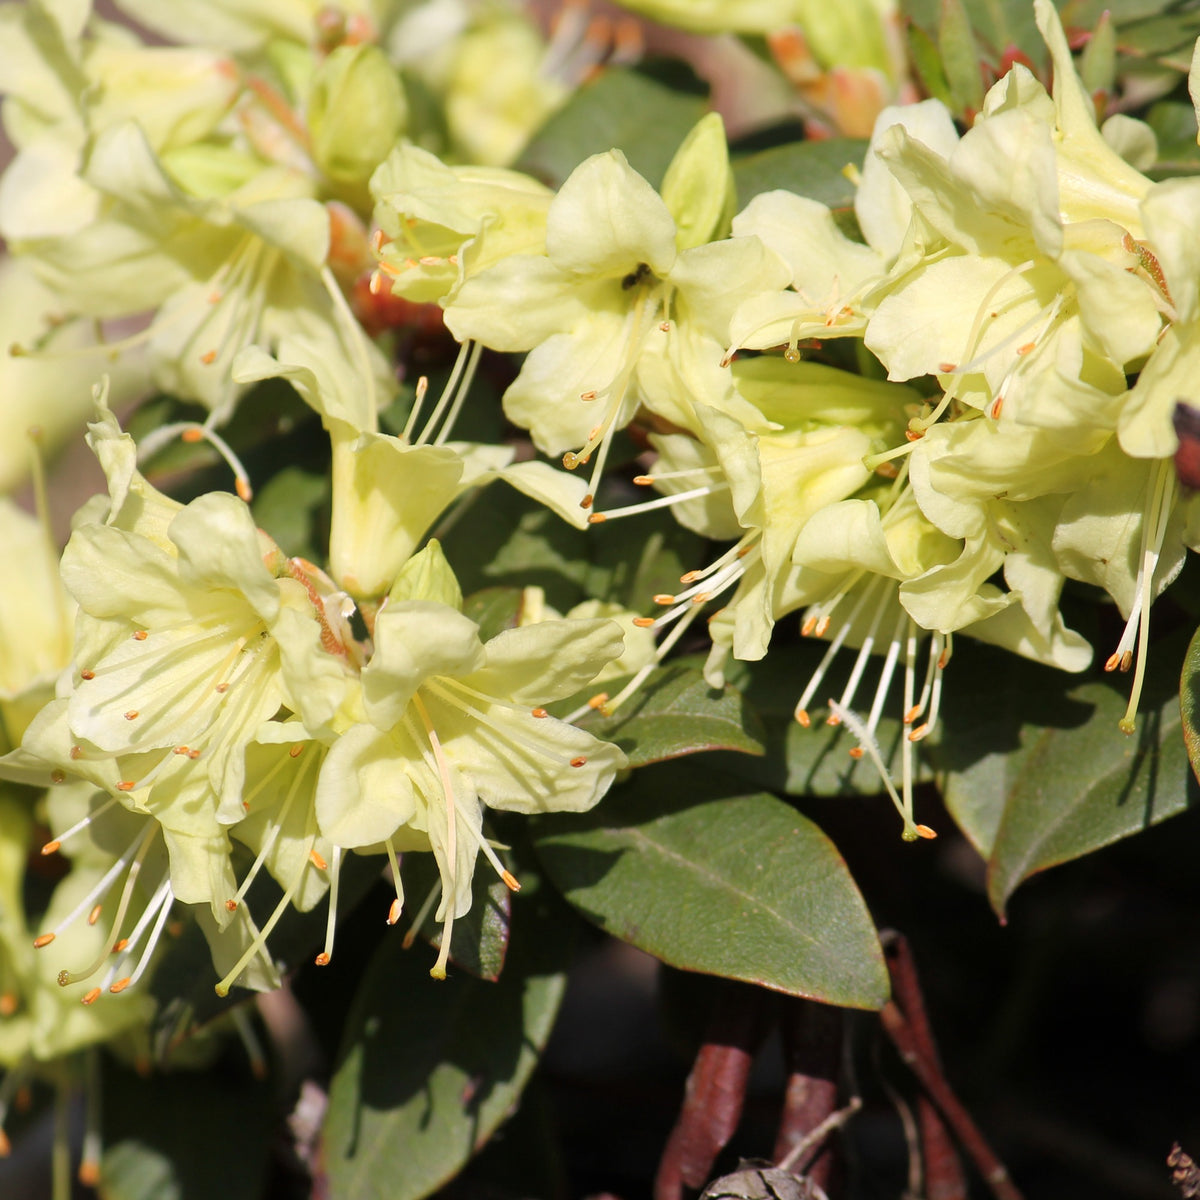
(812, 1038)
(944, 1178)
(716, 1091)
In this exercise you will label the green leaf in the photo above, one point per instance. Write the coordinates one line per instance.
(928, 63)
(1174, 124)
(1189, 703)
(175, 1136)
(479, 940)
(286, 507)
(683, 865)
(531, 547)
(812, 169)
(960, 57)
(676, 713)
(623, 109)
(1050, 777)
(429, 1069)
(494, 609)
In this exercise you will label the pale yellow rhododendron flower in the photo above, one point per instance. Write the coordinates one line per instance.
(452, 725)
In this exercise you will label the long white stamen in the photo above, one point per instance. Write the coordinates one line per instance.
(801, 711)
(465, 353)
(1154, 527)
(51, 846)
(645, 506)
(438, 970)
(160, 924)
(66, 978)
(850, 720)
(335, 872)
(611, 706)
(885, 675)
(193, 431)
(130, 944)
(419, 395)
(97, 892)
(460, 397)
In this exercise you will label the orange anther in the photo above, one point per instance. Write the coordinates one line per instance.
(51, 847)
(121, 984)
(322, 959)
(296, 750)
(317, 861)
(87, 674)
(140, 635)
(539, 713)
(394, 911)
(94, 915)
(579, 762)
(90, 997)
(44, 940)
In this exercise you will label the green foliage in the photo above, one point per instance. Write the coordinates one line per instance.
(676, 713)
(1049, 780)
(426, 1073)
(687, 866)
(611, 112)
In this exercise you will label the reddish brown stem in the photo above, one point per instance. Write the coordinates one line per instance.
(905, 1022)
(716, 1091)
(812, 1040)
(943, 1170)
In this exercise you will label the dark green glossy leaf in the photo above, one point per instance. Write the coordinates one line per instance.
(531, 547)
(682, 864)
(930, 70)
(187, 1135)
(1038, 773)
(622, 109)
(813, 169)
(479, 940)
(286, 507)
(1174, 124)
(1189, 703)
(676, 713)
(527, 546)
(960, 57)
(1001, 25)
(494, 609)
(429, 1069)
